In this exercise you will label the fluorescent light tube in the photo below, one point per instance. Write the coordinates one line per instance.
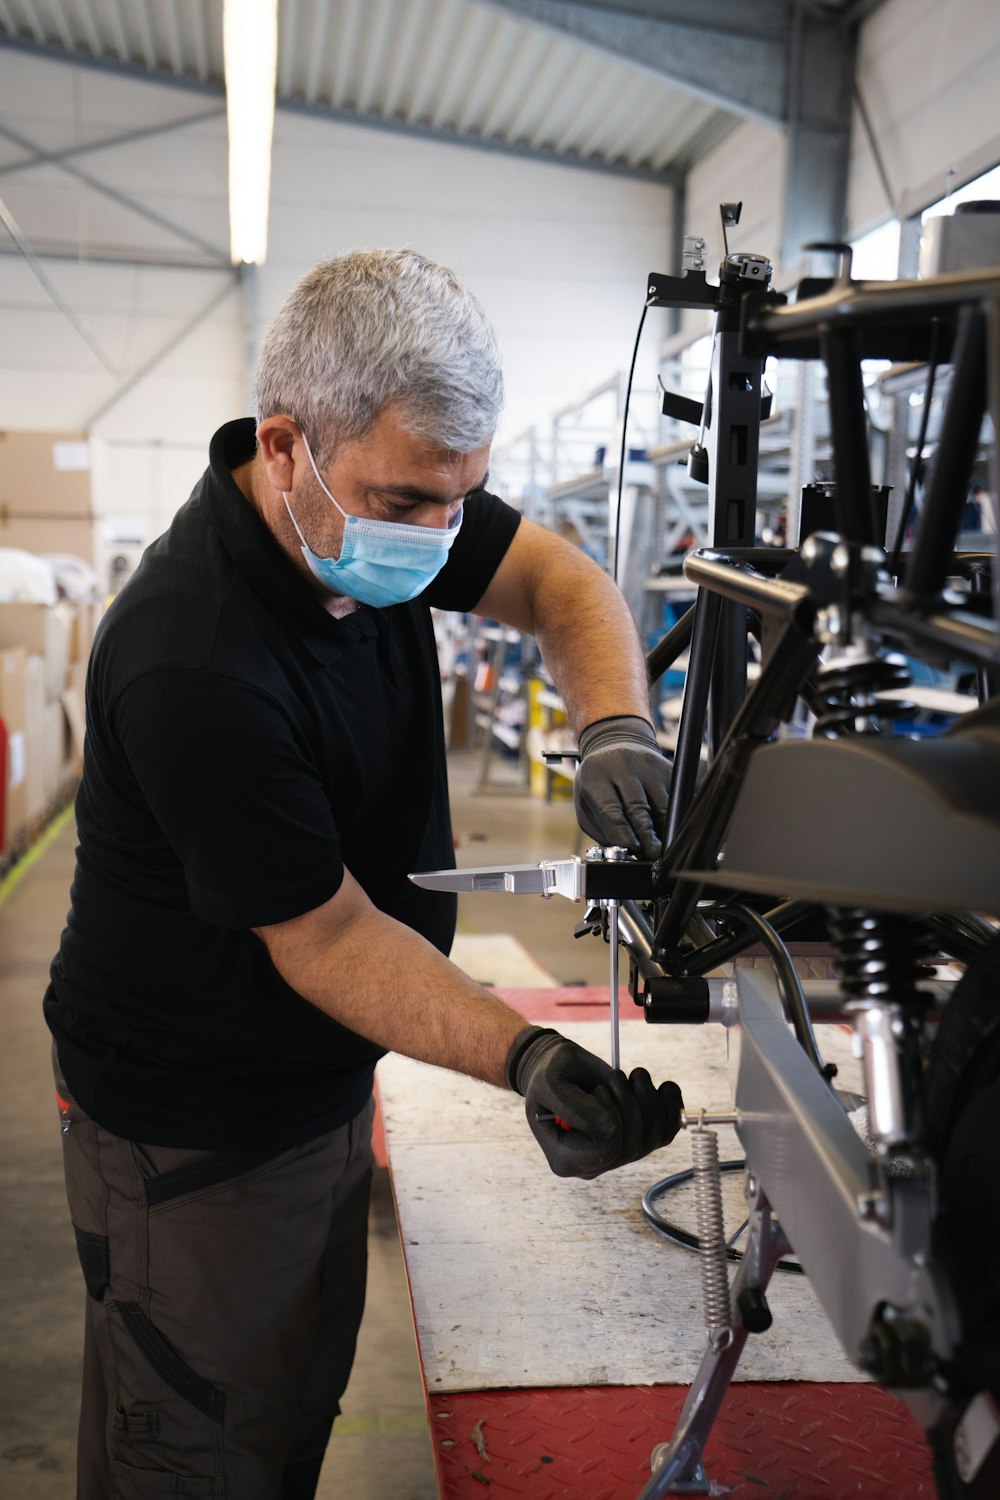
(250, 43)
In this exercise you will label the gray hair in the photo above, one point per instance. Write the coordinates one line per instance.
(374, 327)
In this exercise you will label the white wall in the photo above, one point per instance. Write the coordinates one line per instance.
(151, 432)
(928, 71)
(748, 167)
(559, 257)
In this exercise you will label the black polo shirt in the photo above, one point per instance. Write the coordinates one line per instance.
(243, 747)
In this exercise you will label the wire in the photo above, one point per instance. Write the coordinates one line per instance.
(788, 979)
(683, 1237)
(624, 450)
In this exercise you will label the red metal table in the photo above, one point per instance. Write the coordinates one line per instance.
(780, 1441)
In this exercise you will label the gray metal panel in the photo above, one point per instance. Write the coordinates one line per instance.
(454, 70)
(926, 813)
(719, 59)
(816, 1171)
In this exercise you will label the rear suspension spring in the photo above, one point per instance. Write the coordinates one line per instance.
(712, 1237)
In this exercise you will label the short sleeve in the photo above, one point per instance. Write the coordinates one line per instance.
(488, 527)
(230, 784)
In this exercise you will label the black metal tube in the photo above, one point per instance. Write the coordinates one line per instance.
(849, 434)
(956, 636)
(698, 840)
(667, 650)
(873, 302)
(696, 689)
(945, 492)
(735, 579)
(703, 960)
(729, 680)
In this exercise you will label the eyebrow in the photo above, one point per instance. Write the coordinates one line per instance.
(424, 497)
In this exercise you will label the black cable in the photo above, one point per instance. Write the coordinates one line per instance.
(683, 1237)
(788, 979)
(911, 488)
(621, 457)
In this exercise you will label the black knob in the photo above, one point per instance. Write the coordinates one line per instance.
(753, 1310)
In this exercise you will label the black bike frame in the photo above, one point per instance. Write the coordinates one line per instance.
(925, 617)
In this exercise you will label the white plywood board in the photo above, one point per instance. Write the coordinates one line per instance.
(499, 958)
(520, 1278)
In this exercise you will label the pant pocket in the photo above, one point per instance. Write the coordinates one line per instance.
(94, 1261)
(168, 1426)
(142, 1484)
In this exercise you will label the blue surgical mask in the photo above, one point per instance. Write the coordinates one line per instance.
(380, 562)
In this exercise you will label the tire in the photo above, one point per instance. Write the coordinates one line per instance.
(962, 1098)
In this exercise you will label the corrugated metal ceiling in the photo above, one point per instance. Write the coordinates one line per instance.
(452, 67)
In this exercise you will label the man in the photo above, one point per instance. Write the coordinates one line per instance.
(264, 766)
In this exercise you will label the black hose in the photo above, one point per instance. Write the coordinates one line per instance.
(788, 979)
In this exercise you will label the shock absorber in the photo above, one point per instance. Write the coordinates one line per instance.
(879, 958)
(711, 1237)
(848, 687)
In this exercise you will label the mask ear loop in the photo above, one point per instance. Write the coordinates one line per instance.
(305, 545)
(321, 482)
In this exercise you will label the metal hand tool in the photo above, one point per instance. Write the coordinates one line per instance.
(605, 877)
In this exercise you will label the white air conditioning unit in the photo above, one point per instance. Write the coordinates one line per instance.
(122, 562)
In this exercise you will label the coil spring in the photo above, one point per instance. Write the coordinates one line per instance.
(878, 954)
(848, 689)
(711, 1236)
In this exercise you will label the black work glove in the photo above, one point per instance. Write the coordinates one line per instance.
(622, 785)
(612, 1119)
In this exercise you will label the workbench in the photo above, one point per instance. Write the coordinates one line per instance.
(558, 1332)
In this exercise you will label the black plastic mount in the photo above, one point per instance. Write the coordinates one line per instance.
(692, 289)
(617, 880)
(674, 1002)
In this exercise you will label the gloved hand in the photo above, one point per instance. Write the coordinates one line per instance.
(622, 785)
(612, 1119)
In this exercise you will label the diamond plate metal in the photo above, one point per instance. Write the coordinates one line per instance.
(771, 1442)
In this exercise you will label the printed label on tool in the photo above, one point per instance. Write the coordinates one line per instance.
(975, 1435)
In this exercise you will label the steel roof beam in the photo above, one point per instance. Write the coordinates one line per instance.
(157, 358)
(709, 50)
(819, 134)
(123, 138)
(787, 62)
(110, 255)
(115, 196)
(344, 116)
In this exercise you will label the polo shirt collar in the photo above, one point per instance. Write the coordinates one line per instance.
(259, 558)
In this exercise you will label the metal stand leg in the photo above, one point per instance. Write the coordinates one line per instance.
(677, 1465)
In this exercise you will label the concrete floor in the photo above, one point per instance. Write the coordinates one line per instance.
(380, 1449)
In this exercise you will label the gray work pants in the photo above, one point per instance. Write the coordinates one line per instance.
(224, 1291)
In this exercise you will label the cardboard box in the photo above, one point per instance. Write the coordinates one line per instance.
(86, 618)
(34, 695)
(64, 534)
(74, 706)
(35, 699)
(44, 630)
(57, 750)
(45, 476)
(45, 493)
(14, 713)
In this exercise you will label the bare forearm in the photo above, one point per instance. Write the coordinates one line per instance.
(592, 650)
(382, 980)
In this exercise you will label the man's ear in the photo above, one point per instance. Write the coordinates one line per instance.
(276, 440)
